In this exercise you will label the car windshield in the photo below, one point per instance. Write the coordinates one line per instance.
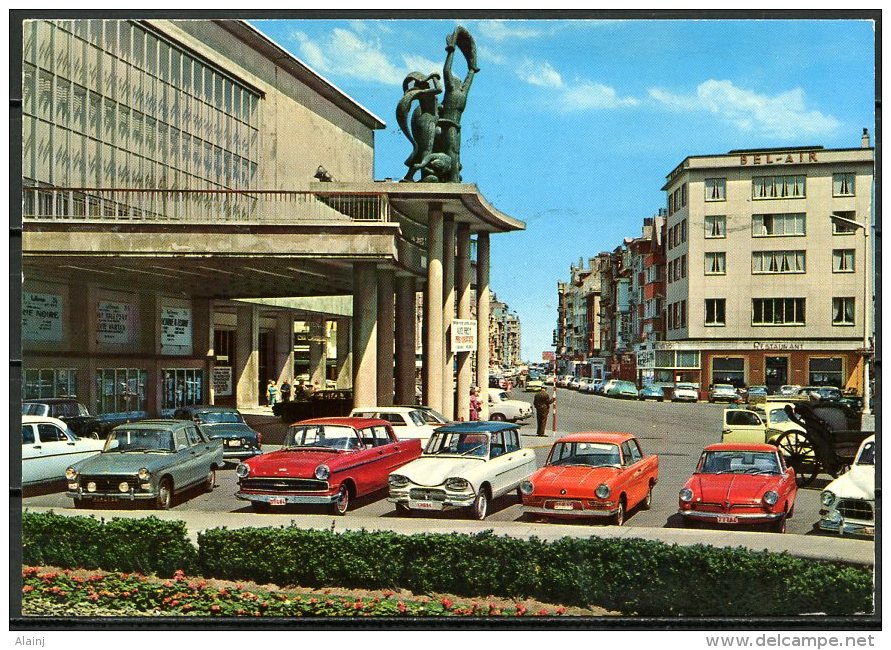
(739, 462)
(867, 454)
(35, 409)
(432, 417)
(139, 440)
(779, 416)
(322, 436)
(451, 443)
(586, 454)
(686, 387)
(219, 417)
(724, 387)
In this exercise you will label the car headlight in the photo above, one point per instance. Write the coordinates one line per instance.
(456, 484)
(526, 487)
(144, 474)
(123, 486)
(397, 480)
(826, 498)
(91, 486)
(686, 495)
(242, 470)
(71, 474)
(322, 472)
(602, 491)
(770, 497)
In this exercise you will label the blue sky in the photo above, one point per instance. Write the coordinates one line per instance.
(572, 126)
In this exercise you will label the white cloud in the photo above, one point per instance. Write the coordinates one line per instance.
(587, 95)
(500, 30)
(539, 74)
(421, 64)
(781, 115)
(488, 55)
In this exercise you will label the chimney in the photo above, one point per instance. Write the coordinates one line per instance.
(864, 141)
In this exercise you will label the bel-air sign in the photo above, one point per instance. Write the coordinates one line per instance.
(778, 158)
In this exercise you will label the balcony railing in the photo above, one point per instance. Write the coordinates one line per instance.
(202, 206)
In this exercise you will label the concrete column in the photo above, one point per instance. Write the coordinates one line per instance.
(246, 368)
(318, 352)
(482, 319)
(202, 339)
(386, 314)
(433, 309)
(465, 375)
(364, 334)
(405, 341)
(344, 362)
(448, 313)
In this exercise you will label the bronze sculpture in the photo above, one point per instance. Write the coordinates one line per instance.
(435, 130)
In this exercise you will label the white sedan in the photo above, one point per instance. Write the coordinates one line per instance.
(408, 422)
(49, 447)
(503, 408)
(849, 502)
(465, 465)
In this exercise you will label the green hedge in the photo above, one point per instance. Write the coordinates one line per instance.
(627, 575)
(147, 545)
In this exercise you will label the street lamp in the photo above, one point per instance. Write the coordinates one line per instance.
(867, 303)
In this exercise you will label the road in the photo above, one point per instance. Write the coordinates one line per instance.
(675, 432)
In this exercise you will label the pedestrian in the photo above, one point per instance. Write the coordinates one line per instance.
(271, 392)
(285, 390)
(475, 404)
(542, 404)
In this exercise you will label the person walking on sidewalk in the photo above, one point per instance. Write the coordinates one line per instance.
(475, 404)
(542, 404)
(271, 392)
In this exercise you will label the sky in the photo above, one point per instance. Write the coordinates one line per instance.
(572, 126)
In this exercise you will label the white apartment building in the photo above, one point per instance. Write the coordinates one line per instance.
(769, 267)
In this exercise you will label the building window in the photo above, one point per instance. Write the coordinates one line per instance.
(716, 226)
(843, 260)
(715, 189)
(715, 311)
(715, 263)
(38, 383)
(778, 262)
(683, 230)
(840, 227)
(842, 311)
(683, 195)
(778, 187)
(826, 371)
(683, 261)
(182, 387)
(121, 390)
(843, 185)
(683, 313)
(729, 371)
(778, 225)
(778, 311)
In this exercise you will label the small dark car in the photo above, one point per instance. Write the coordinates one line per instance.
(70, 411)
(227, 424)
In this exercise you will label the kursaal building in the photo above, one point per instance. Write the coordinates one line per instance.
(191, 191)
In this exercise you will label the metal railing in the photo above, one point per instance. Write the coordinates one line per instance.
(202, 206)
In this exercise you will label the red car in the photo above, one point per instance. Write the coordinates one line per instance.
(592, 475)
(738, 483)
(325, 461)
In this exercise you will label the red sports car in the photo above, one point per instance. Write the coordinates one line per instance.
(325, 461)
(740, 484)
(592, 475)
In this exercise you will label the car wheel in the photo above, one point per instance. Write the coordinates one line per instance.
(165, 494)
(497, 417)
(342, 503)
(211, 481)
(93, 434)
(480, 506)
(260, 506)
(619, 517)
(648, 500)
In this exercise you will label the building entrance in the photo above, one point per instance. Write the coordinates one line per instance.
(266, 363)
(776, 372)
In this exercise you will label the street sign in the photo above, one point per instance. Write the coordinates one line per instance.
(463, 335)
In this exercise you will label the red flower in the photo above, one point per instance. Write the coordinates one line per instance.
(174, 603)
(95, 578)
(446, 603)
(401, 606)
(94, 597)
(215, 609)
(188, 607)
(560, 611)
(542, 612)
(329, 602)
(27, 589)
(387, 593)
(312, 601)
(358, 605)
(167, 583)
(179, 575)
(521, 609)
(29, 571)
(241, 612)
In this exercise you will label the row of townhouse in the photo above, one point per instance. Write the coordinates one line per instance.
(758, 271)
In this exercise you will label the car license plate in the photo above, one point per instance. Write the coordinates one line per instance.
(563, 505)
(234, 443)
(425, 505)
(277, 501)
(727, 519)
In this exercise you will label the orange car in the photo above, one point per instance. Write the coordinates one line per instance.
(592, 474)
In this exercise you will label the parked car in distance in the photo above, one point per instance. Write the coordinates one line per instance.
(325, 461)
(593, 475)
(722, 393)
(762, 424)
(849, 501)
(738, 484)
(48, 447)
(651, 391)
(574, 383)
(465, 465)
(406, 421)
(788, 389)
(757, 394)
(503, 408)
(70, 411)
(821, 392)
(226, 424)
(685, 393)
(149, 460)
(534, 385)
(584, 385)
(563, 381)
(622, 388)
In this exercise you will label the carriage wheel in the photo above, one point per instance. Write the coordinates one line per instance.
(800, 455)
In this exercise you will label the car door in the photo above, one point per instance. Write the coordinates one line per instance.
(522, 461)
(742, 426)
(57, 451)
(201, 453)
(638, 483)
(32, 469)
(627, 479)
(500, 464)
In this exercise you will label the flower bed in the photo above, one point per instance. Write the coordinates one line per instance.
(133, 594)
